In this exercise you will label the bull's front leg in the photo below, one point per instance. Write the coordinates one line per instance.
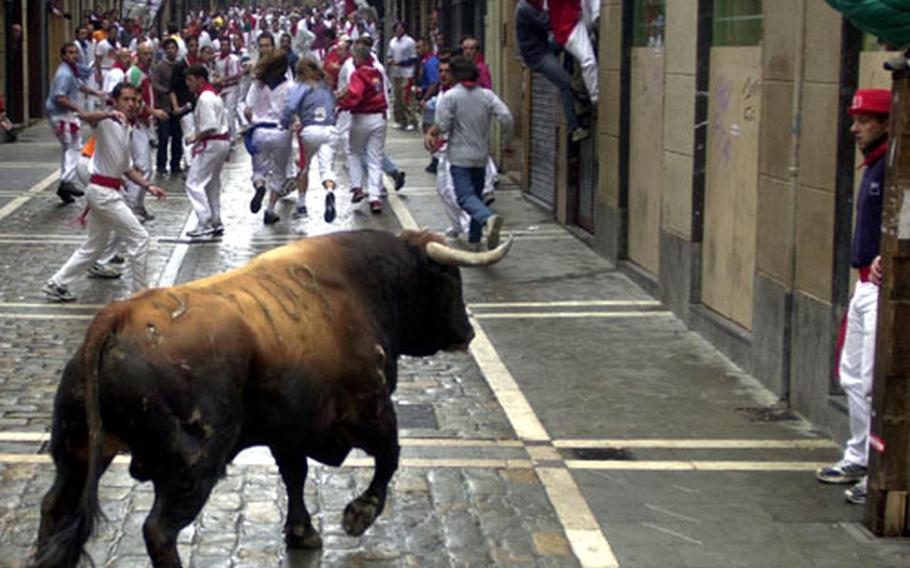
(380, 438)
(298, 529)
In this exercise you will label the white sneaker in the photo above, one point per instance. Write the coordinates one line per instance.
(57, 293)
(491, 231)
(410, 128)
(200, 231)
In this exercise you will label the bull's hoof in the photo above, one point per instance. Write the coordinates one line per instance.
(302, 536)
(360, 514)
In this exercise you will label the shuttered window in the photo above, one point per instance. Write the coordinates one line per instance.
(649, 20)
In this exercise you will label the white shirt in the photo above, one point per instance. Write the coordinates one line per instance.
(227, 67)
(265, 103)
(112, 77)
(210, 113)
(104, 50)
(403, 49)
(112, 149)
(303, 40)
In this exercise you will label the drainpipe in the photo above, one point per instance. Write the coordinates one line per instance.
(796, 136)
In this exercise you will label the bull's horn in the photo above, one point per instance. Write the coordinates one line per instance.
(456, 257)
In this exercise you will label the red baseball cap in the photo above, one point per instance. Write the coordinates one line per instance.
(871, 101)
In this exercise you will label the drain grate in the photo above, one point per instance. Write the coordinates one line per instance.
(767, 413)
(598, 454)
(417, 416)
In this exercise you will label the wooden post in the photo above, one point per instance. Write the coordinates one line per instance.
(889, 447)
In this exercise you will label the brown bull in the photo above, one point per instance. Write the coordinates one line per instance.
(297, 351)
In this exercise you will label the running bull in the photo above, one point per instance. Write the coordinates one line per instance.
(297, 351)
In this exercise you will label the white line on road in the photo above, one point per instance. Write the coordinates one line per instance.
(28, 316)
(172, 268)
(686, 444)
(32, 191)
(564, 304)
(681, 465)
(26, 165)
(56, 306)
(569, 315)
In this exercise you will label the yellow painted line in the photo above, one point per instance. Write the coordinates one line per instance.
(28, 316)
(38, 305)
(813, 443)
(24, 436)
(513, 401)
(587, 541)
(570, 315)
(401, 211)
(28, 165)
(564, 304)
(669, 465)
(32, 191)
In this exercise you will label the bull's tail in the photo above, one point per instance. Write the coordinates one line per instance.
(64, 547)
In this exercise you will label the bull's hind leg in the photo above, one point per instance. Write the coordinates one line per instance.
(298, 528)
(380, 439)
(177, 502)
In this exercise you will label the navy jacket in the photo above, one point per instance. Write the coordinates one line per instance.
(867, 235)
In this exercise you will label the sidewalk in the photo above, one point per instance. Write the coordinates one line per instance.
(683, 459)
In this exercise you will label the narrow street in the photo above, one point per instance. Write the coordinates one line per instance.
(587, 426)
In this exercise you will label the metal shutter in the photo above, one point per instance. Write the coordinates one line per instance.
(544, 120)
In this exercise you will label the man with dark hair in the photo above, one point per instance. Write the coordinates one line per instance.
(402, 60)
(856, 346)
(181, 98)
(464, 113)
(210, 148)
(108, 211)
(63, 115)
(428, 83)
(169, 131)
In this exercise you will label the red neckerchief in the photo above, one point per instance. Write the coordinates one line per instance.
(222, 55)
(876, 153)
(119, 65)
(207, 87)
(73, 67)
(191, 59)
(469, 84)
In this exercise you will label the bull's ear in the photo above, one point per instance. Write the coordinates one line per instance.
(444, 254)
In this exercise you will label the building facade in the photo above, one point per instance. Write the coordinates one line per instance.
(722, 172)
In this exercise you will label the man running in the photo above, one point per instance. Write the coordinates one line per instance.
(108, 211)
(210, 147)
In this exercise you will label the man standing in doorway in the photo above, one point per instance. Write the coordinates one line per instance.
(402, 59)
(870, 110)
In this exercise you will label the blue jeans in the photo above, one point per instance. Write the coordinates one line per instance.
(551, 67)
(468, 183)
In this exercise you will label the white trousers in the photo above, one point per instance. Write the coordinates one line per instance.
(108, 214)
(579, 45)
(459, 220)
(66, 129)
(318, 144)
(141, 151)
(203, 181)
(367, 135)
(188, 127)
(343, 128)
(230, 98)
(857, 362)
(270, 164)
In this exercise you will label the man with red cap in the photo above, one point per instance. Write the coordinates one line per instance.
(870, 110)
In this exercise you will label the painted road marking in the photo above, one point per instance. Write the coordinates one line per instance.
(172, 269)
(564, 315)
(32, 191)
(810, 443)
(42, 305)
(681, 465)
(564, 304)
(29, 316)
(29, 165)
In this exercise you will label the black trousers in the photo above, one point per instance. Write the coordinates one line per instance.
(169, 132)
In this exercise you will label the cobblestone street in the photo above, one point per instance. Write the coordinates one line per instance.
(587, 426)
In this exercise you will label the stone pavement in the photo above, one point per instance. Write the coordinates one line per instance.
(587, 426)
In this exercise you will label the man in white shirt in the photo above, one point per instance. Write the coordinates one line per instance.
(108, 211)
(210, 147)
(228, 74)
(402, 60)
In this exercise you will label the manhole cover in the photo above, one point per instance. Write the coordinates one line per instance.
(417, 416)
